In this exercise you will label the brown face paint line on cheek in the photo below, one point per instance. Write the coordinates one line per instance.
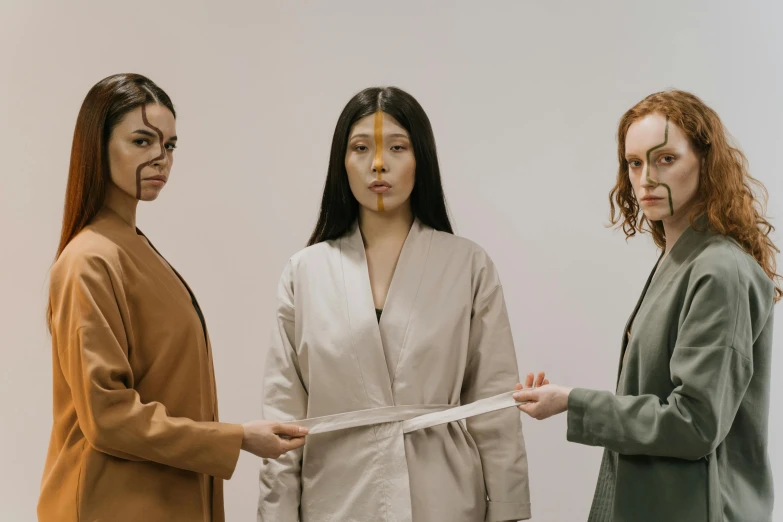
(649, 180)
(377, 163)
(153, 160)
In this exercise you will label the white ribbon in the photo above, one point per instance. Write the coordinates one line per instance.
(498, 402)
(413, 417)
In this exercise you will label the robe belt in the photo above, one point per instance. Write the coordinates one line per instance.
(413, 417)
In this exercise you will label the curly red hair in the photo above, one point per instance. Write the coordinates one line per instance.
(725, 191)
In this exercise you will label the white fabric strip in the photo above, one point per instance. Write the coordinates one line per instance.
(498, 402)
(355, 419)
(413, 417)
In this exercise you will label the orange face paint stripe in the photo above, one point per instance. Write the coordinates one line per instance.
(378, 161)
(153, 160)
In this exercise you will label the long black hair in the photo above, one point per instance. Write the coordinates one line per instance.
(339, 208)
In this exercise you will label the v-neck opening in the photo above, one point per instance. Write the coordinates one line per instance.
(663, 266)
(394, 272)
(388, 335)
(640, 301)
(135, 238)
(190, 293)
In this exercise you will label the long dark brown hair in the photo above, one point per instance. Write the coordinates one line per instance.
(726, 189)
(339, 208)
(103, 108)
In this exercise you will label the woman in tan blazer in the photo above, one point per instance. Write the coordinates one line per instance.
(135, 433)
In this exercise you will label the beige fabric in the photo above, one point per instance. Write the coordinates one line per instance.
(444, 339)
(134, 436)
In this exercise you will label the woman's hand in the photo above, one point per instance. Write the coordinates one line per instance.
(542, 400)
(270, 440)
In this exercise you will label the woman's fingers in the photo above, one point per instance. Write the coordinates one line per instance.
(526, 395)
(289, 430)
(526, 408)
(287, 445)
(532, 381)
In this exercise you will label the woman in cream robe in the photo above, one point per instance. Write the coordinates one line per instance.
(136, 433)
(442, 338)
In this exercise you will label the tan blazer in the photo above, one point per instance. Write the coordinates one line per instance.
(135, 434)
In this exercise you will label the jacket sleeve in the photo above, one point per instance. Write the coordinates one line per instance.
(285, 399)
(491, 370)
(88, 331)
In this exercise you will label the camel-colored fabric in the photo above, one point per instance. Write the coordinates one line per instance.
(135, 435)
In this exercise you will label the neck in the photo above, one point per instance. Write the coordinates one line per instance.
(384, 226)
(121, 203)
(673, 228)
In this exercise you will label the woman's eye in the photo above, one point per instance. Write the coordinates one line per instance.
(142, 142)
(634, 164)
(360, 148)
(398, 148)
(171, 146)
(667, 159)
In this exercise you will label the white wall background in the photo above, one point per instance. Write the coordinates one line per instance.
(524, 97)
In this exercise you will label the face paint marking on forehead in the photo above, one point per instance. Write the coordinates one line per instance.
(655, 183)
(377, 163)
(153, 160)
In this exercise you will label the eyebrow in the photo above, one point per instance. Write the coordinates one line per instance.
(656, 152)
(394, 135)
(145, 132)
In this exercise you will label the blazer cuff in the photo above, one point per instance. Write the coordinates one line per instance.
(505, 511)
(228, 448)
(578, 401)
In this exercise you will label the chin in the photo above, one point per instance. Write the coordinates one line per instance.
(656, 214)
(388, 207)
(390, 204)
(149, 196)
(373, 207)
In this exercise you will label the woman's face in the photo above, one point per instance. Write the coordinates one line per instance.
(380, 163)
(662, 166)
(141, 151)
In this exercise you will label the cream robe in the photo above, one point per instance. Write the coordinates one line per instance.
(134, 437)
(444, 339)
